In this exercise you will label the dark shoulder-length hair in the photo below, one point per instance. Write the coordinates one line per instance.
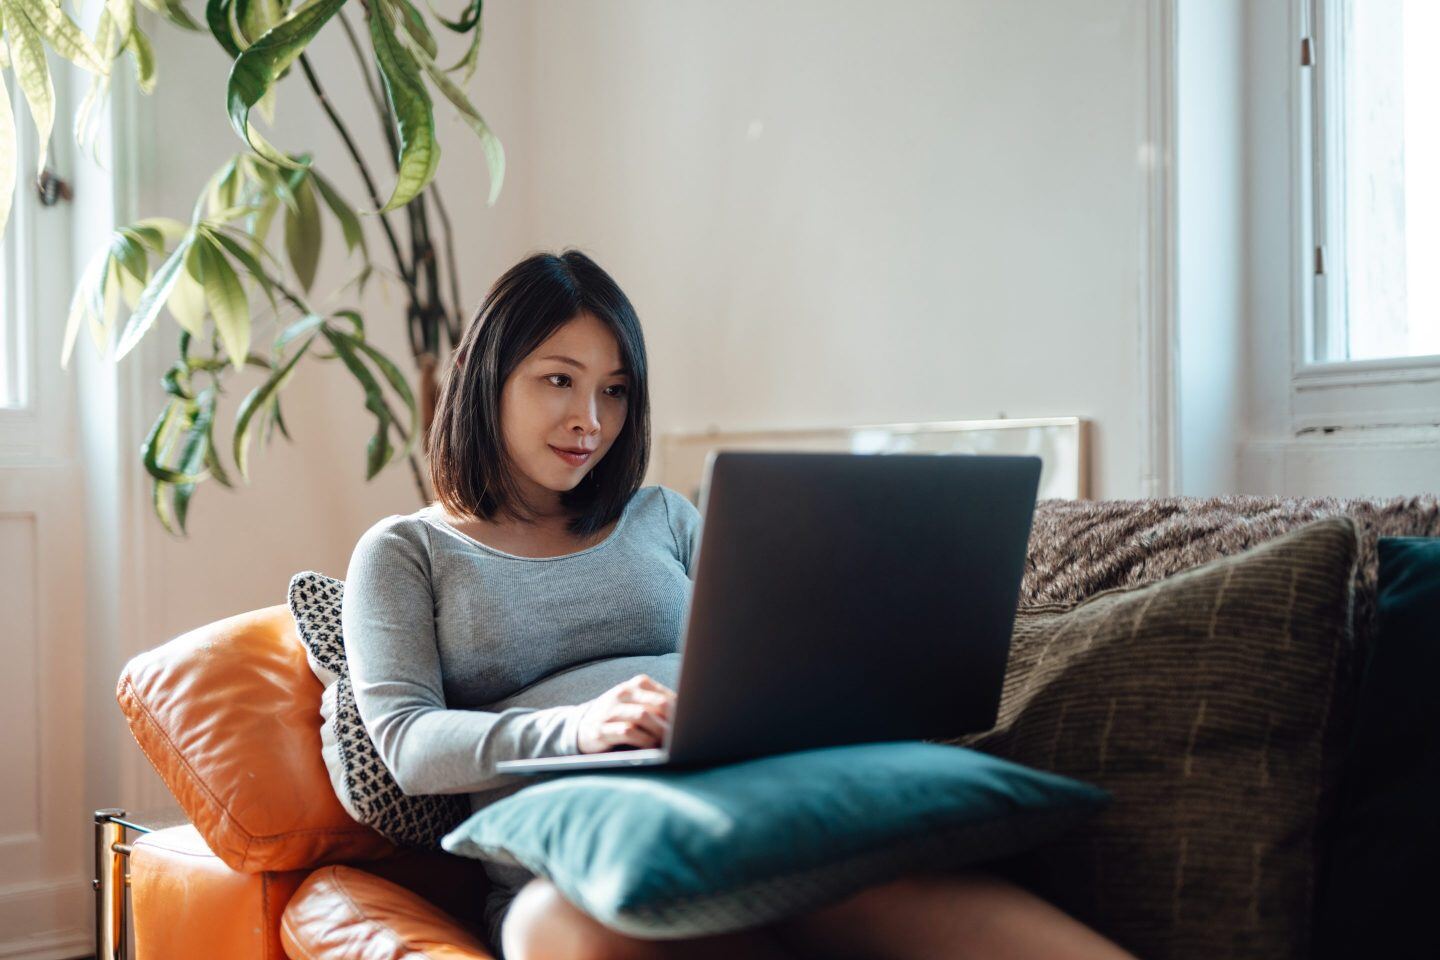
(471, 471)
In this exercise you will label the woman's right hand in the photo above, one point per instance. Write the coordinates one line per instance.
(635, 713)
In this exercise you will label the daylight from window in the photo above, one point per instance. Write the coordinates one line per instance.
(1391, 191)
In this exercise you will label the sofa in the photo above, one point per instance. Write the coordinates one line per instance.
(270, 865)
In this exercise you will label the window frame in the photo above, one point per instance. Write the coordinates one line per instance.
(1331, 395)
(37, 292)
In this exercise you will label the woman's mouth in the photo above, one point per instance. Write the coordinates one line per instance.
(574, 459)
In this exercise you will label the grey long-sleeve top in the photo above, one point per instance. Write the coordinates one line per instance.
(462, 655)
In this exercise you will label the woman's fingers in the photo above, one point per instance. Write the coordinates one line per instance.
(644, 681)
(651, 698)
(618, 732)
(643, 717)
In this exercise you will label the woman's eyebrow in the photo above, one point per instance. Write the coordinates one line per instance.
(576, 363)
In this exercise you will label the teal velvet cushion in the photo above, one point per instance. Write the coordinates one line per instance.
(1378, 881)
(685, 853)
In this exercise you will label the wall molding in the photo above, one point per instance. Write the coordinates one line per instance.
(70, 899)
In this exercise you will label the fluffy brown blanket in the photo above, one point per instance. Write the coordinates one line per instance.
(1080, 547)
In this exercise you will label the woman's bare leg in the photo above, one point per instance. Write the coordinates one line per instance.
(962, 916)
(543, 925)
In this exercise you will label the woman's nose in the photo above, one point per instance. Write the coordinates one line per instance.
(585, 416)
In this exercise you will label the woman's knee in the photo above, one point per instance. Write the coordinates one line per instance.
(542, 925)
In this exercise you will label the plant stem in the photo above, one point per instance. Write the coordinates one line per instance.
(382, 110)
(454, 329)
(359, 162)
(427, 266)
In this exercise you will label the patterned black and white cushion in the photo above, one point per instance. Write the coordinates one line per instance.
(360, 778)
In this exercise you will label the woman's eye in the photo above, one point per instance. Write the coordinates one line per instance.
(559, 376)
(620, 390)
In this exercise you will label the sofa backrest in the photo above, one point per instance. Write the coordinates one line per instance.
(1081, 547)
(229, 716)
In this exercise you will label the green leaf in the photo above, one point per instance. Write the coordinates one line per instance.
(258, 16)
(247, 260)
(398, 383)
(144, 55)
(8, 150)
(193, 450)
(378, 450)
(86, 116)
(303, 235)
(259, 224)
(187, 299)
(252, 244)
(162, 506)
(254, 401)
(104, 325)
(355, 320)
(223, 190)
(156, 447)
(33, 72)
(81, 302)
(129, 253)
(416, 27)
(212, 461)
(278, 420)
(260, 65)
(489, 143)
(273, 180)
(228, 303)
(123, 13)
(147, 237)
(172, 10)
(155, 295)
(54, 24)
(349, 222)
(305, 324)
(266, 106)
(176, 381)
(410, 105)
(217, 17)
(472, 53)
(170, 229)
(469, 19)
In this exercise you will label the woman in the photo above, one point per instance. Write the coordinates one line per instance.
(535, 608)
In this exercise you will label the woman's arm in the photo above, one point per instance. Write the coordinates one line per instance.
(388, 620)
(684, 525)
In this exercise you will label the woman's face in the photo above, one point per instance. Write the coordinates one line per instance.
(568, 394)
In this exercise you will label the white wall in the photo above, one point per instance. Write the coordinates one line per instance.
(829, 212)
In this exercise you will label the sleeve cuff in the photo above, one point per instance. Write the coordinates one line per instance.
(570, 732)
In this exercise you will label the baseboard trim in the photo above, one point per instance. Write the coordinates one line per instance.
(53, 920)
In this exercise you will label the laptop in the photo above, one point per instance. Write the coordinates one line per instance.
(838, 599)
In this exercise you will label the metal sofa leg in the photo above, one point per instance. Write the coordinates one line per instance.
(110, 881)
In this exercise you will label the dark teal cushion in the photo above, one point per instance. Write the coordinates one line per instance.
(1377, 885)
(687, 853)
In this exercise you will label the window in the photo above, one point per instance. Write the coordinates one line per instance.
(1375, 156)
(14, 346)
(16, 392)
(35, 283)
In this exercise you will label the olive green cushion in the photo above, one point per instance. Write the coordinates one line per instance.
(1202, 703)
